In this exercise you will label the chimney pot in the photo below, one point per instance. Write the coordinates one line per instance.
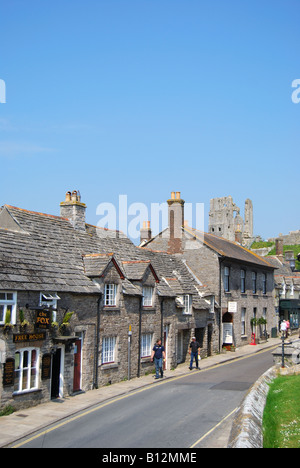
(68, 197)
(178, 195)
(74, 210)
(173, 195)
(145, 232)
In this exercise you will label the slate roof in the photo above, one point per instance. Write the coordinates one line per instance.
(284, 273)
(221, 246)
(41, 252)
(231, 250)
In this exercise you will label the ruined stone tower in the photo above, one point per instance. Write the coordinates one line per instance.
(225, 220)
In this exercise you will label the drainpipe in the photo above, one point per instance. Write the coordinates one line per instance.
(221, 259)
(162, 319)
(140, 337)
(97, 342)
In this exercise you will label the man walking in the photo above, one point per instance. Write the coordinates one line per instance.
(158, 354)
(194, 351)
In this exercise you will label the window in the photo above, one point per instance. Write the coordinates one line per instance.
(49, 300)
(8, 307)
(108, 349)
(243, 321)
(265, 313)
(254, 282)
(146, 345)
(110, 295)
(226, 279)
(243, 281)
(264, 283)
(187, 302)
(26, 370)
(147, 296)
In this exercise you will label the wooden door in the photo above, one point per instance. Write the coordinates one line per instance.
(77, 367)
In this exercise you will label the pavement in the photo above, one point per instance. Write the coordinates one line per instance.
(26, 422)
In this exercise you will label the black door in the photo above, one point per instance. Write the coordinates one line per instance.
(55, 374)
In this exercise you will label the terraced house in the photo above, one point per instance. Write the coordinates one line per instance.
(241, 282)
(81, 307)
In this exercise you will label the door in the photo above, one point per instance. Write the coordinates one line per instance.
(55, 374)
(77, 367)
(165, 344)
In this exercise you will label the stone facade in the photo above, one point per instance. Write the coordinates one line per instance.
(104, 303)
(241, 282)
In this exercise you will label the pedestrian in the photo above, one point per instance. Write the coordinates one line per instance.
(283, 328)
(194, 351)
(158, 354)
(287, 328)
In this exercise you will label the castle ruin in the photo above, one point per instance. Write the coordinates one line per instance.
(225, 220)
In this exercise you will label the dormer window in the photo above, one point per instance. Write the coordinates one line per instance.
(148, 296)
(110, 295)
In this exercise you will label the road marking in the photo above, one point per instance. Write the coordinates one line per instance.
(107, 403)
(215, 427)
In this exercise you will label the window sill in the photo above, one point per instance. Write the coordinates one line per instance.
(25, 392)
(146, 358)
(111, 309)
(109, 365)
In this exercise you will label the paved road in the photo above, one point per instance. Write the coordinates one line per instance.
(175, 413)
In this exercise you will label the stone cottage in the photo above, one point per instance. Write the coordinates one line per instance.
(241, 282)
(81, 306)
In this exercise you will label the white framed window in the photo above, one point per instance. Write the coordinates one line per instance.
(49, 300)
(8, 306)
(110, 295)
(146, 344)
(148, 296)
(226, 279)
(108, 349)
(243, 321)
(26, 370)
(187, 302)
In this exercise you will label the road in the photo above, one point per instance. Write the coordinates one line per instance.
(195, 410)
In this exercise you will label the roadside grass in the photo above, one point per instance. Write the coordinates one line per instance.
(281, 418)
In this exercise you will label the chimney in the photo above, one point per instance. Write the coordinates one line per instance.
(74, 210)
(238, 236)
(279, 247)
(176, 222)
(145, 232)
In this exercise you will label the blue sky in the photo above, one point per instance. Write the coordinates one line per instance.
(146, 97)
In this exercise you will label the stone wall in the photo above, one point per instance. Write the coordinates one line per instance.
(246, 429)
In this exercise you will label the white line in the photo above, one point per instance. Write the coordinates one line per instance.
(215, 427)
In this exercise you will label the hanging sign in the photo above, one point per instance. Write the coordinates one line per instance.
(43, 319)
